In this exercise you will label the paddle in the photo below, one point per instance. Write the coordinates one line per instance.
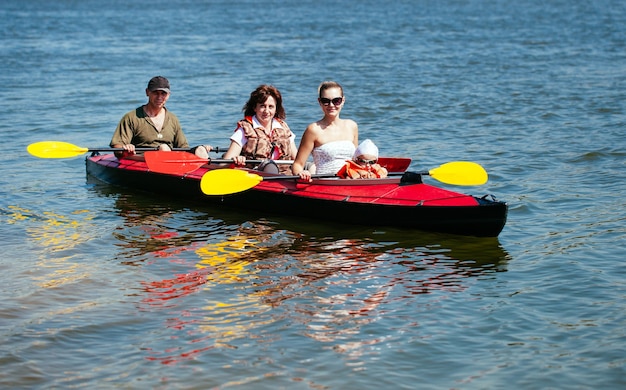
(460, 173)
(229, 181)
(180, 163)
(57, 149)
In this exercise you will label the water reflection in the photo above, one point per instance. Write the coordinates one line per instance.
(249, 279)
(339, 289)
(55, 238)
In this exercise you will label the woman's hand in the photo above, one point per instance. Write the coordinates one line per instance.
(305, 175)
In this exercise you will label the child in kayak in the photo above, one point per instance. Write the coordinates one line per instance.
(364, 163)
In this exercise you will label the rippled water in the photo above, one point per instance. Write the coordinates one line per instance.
(107, 287)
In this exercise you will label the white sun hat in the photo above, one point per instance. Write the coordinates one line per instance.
(366, 147)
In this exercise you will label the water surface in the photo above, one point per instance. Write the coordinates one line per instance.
(106, 287)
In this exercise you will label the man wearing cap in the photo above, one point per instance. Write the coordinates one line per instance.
(151, 125)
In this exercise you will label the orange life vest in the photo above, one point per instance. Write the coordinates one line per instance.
(352, 170)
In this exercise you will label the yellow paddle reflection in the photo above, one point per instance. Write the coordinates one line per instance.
(228, 318)
(229, 258)
(230, 263)
(56, 235)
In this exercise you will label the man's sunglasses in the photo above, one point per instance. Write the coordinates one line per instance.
(336, 101)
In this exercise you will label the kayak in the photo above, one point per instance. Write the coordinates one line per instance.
(402, 201)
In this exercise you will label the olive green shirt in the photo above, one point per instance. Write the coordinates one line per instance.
(136, 128)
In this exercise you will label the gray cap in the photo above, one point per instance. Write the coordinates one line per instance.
(159, 83)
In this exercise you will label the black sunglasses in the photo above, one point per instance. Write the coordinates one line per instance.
(336, 101)
(366, 162)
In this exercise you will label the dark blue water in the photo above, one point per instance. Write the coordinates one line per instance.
(109, 288)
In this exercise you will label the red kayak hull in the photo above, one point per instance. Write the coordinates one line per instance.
(371, 202)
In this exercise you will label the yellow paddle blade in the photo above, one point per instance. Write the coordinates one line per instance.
(462, 173)
(55, 149)
(228, 181)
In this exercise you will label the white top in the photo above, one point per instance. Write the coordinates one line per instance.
(331, 156)
(240, 138)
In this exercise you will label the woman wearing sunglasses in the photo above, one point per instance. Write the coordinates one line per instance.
(332, 140)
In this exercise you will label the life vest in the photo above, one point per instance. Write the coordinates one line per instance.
(260, 146)
(352, 170)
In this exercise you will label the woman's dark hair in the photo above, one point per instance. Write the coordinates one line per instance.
(260, 95)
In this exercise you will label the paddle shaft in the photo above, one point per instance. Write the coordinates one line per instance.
(222, 161)
(320, 176)
(201, 161)
(216, 150)
(327, 176)
(287, 177)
